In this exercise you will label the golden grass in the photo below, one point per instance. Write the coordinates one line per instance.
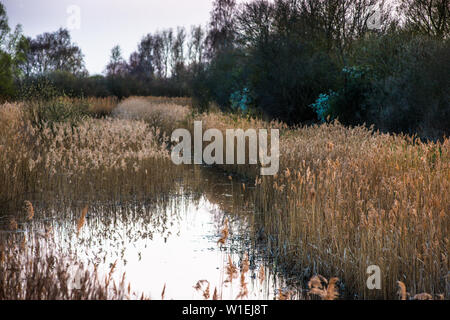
(404, 295)
(166, 115)
(102, 106)
(344, 199)
(163, 293)
(180, 101)
(114, 156)
(204, 287)
(82, 220)
(348, 198)
(107, 159)
(29, 209)
(32, 269)
(371, 199)
(320, 286)
(231, 270)
(225, 233)
(245, 267)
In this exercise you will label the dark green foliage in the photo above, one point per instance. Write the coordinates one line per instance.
(350, 103)
(287, 76)
(400, 84)
(7, 88)
(46, 106)
(298, 57)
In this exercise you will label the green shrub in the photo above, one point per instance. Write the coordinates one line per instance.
(46, 113)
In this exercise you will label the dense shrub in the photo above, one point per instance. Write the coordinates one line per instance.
(400, 84)
(7, 88)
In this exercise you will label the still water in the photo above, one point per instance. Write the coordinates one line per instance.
(164, 248)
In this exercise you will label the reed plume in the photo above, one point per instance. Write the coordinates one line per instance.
(163, 292)
(261, 274)
(82, 219)
(402, 290)
(13, 226)
(29, 210)
(215, 295)
(225, 233)
(231, 270)
(320, 286)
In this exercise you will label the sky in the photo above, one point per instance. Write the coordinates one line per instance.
(98, 25)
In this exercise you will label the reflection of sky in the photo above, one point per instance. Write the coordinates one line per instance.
(182, 252)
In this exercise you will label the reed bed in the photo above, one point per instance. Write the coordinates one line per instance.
(166, 114)
(32, 268)
(102, 107)
(96, 158)
(344, 198)
(347, 198)
(179, 101)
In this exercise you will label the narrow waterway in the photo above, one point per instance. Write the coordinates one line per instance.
(168, 248)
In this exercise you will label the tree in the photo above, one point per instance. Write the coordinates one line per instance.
(18, 47)
(6, 73)
(4, 26)
(167, 40)
(6, 76)
(221, 33)
(145, 54)
(254, 23)
(430, 17)
(158, 55)
(196, 45)
(55, 51)
(178, 52)
(117, 65)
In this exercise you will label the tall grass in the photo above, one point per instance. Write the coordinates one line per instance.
(110, 158)
(165, 114)
(347, 198)
(32, 268)
(344, 198)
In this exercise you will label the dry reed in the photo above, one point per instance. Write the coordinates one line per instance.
(344, 198)
(347, 198)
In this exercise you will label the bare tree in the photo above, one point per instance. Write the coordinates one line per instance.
(158, 54)
(255, 22)
(338, 23)
(145, 56)
(178, 51)
(167, 41)
(55, 51)
(117, 65)
(431, 17)
(196, 45)
(4, 26)
(221, 33)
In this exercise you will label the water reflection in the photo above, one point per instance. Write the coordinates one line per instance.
(170, 245)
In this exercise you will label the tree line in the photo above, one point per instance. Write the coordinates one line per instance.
(382, 63)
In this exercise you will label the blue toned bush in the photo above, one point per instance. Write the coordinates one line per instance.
(322, 106)
(240, 100)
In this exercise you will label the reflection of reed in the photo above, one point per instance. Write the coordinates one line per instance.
(48, 243)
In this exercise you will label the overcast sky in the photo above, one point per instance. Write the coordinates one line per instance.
(105, 23)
